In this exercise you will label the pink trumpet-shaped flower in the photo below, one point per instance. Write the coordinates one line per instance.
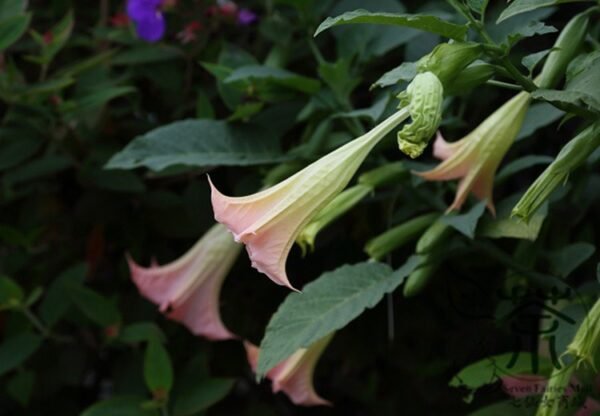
(187, 290)
(269, 221)
(475, 158)
(294, 375)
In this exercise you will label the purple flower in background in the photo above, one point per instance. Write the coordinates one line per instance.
(148, 18)
(246, 17)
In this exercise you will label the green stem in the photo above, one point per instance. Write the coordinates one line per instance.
(506, 85)
(36, 322)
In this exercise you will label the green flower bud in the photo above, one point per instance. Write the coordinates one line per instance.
(572, 155)
(384, 175)
(338, 206)
(566, 48)
(447, 60)
(433, 236)
(417, 280)
(396, 237)
(470, 77)
(585, 346)
(423, 97)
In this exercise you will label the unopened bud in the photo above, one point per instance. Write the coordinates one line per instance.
(423, 97)
(447, 60)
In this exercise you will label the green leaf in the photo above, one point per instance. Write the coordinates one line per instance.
(531, 29)
(539, 115)
(532, 60)
(506, 226)
(478, 6)
(274, 75)
(585, 99)
(566, 259)
(16, 146)
(201, 395)
(11, 294)
(15, 350)
(10, 8)
(245, 111)
(94, 306)
(141, 332)
(60, 34)
(405, 72)
(57, 301)
(465, 223)
(20, 387)
(96, 99)
(43, 167)
(158, 371)
(520, 164)
(326, 305)
(522, 6)
(146, 54)
(199, 143)
(427, 23)
(12, 28)
(120, 406)
(489, 370)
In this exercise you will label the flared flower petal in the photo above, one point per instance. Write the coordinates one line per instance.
(269, 221)
(187, 290)
(294, 375)
(475, 158)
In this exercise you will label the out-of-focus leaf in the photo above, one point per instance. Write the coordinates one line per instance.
(158, 371)
(113, 180)
(522, 6)
(276, 75)
(427, 23)
(11, 294)
(95, 99)
(17, 145)
(146, 54)
(339, 77)
(38, 168)
(245, 111)
(199, 143)
(520, 164)
(566, 259)
(57, 300)
(405, 72)
(505, 226)
(10, 8)
(478, 6)
(201, 395)
(86, 64)
(56, 39)
(120, 406)
(326, 305)
(539, 115)
(141, 332)
(16, 349)
(12, 28)
(500, 32)
(373, 113)
(20, 387)
(580, 98)
(93, 305)
(465, 223)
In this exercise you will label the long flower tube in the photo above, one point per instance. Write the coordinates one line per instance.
(187, 290)
(269, 221)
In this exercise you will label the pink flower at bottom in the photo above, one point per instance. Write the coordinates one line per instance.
(187, 290)
(294, 375)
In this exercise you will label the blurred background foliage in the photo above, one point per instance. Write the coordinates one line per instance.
(77, 85)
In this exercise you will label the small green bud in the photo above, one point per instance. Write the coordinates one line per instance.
(384, 175)
(396, 237)
(423, 97)
(470, 77)
(432, 237)
(566, 48)
(338, 206)
(417, 280)
(572, 155)
(447, 60)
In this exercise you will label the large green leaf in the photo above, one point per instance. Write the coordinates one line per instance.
(158, 370)
(427, 23)
(15, 350)
(275, 75)
(568, 258)
(12, 28)
(465, 223)
(199, 143)
(326, 305)
(503, 225)
(120, 406)
(522, 6)
(201, 395)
